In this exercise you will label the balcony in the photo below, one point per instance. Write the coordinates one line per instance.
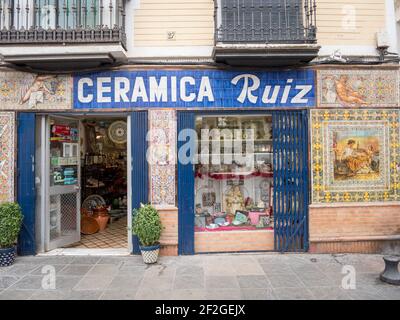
(265, 32)
(42, 33)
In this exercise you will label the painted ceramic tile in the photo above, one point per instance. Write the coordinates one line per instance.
(358, 88)
(7, 133)
(355, 155)
(162, 146)
(163, 185)
(21, 90)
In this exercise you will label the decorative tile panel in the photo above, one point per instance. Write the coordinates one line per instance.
(358, 88)
(355, 155)
(7, 156)
(161, 155)
(24, 91)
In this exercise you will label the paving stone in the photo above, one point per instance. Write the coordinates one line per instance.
(84, 295)
(284, 281)
(28, 282)
(146, 293)
(253, 282)
(189, 282)
(131, 270)
(188, 294)
(333, 267)
(273, 268)
(293, 294)
(38, 271)
(221, 282)
(67, 282)
(366, 293)
(16, 294)
(103, 269)
(115, 260)
(300, 268)
(329, 293)
(19, 269)
(223, 294)
(219, 269)
(248, 269)
(258, 294)
(54, 260)
(314, 279)
(90, 260)
(189, 270)
(125, 283)
(49, 295)
(75, 270)
(7, 280)
(160, 271)
(118, 295)
(162, 283)
(93, 283)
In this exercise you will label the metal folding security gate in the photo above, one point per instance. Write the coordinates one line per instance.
(291, 187)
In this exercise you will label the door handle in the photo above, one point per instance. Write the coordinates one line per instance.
(77, 188)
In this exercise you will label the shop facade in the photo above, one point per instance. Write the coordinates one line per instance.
(235, 161)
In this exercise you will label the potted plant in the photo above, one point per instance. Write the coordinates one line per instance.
(10, 226)
(146, 225)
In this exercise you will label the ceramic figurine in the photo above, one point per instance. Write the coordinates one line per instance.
(234, 200)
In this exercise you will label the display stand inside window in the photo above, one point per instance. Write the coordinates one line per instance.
(64, 161)
(232, 196)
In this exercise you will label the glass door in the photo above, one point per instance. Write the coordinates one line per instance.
(63, 181)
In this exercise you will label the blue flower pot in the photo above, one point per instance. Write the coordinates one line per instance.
(150, 254)
(7, 256)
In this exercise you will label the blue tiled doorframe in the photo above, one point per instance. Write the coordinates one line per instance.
(186, 120)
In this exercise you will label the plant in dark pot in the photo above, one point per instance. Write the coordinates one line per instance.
(146, 225)
(10, 226)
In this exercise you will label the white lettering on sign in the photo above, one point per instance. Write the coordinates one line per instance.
(184, 82)
(205, 90)
(304, 90)
(81, 89)
(139, 90)
(158, 90)
(102, 89)
(247, 91)
(121, 89)
(189, 89)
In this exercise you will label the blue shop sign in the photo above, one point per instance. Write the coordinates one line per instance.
(194, 89)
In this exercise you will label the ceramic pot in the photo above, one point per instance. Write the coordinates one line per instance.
(150, 254)
(102, 220)
(101, 215)
(7, 256)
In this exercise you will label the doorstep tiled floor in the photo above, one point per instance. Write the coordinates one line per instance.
(114, 236)
(289, 276)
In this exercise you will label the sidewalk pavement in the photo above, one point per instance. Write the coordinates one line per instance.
(212, 277)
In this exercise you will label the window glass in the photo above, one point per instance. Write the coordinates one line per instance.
(233, 174)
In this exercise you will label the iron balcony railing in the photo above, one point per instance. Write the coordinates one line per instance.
(62, 21)
(265, 21)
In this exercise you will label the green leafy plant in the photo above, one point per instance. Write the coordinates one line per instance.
(10, 223)
(146, 224)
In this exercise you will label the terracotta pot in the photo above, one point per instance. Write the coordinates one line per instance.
(102, 220)
(100, 211)
(101, 215)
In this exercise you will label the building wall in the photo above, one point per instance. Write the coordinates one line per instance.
(191, 23)
(233, 241)
(350, 26)
(7, 156)
(353, 23)
(355, 204)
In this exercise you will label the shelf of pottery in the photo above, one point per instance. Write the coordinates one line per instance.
(238, 195)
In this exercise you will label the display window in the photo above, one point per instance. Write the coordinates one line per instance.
(234, 173)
